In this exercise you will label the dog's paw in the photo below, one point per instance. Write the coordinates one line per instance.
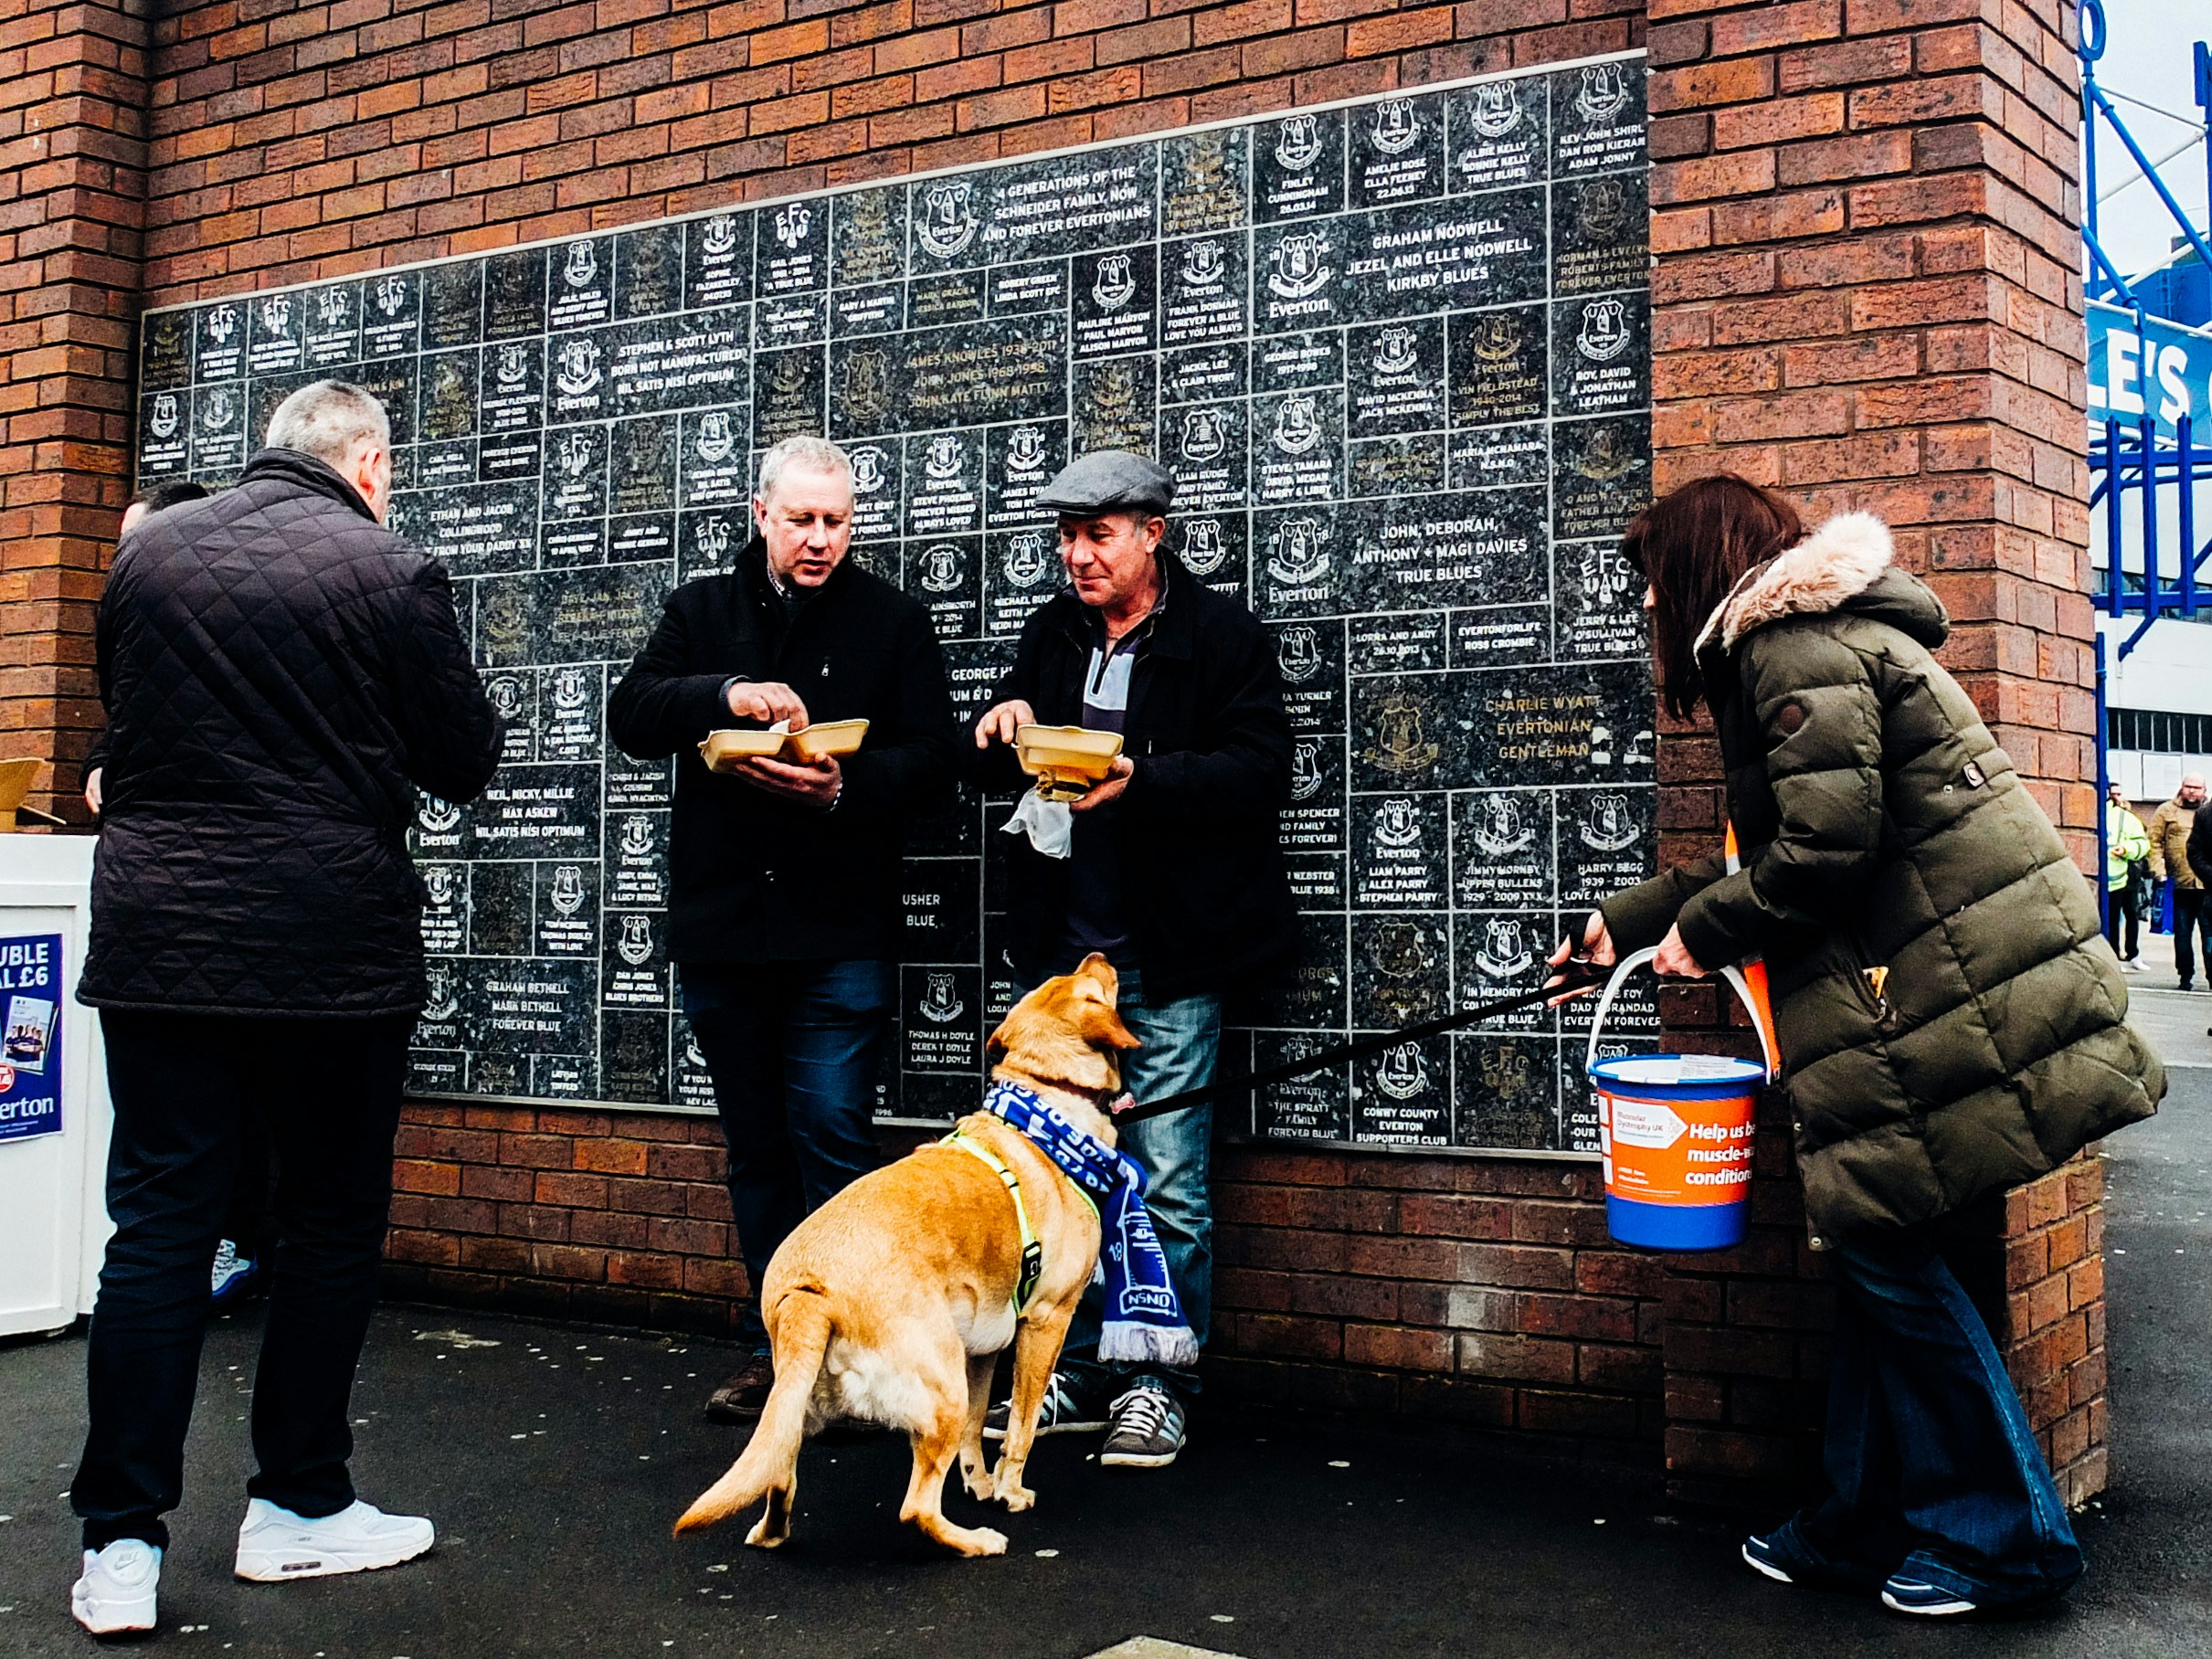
(983, 1541)
(979, 1484)
(1014, 1495)
(760, 1538)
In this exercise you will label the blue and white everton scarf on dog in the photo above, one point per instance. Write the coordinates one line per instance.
(1144, 1322)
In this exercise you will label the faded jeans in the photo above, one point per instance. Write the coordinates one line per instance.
(1933, 1471)
(1182, 1041)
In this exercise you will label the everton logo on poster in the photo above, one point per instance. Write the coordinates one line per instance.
(791, 224)
(866, 393)
(511, 366)
(222, 409)
(1500, 830)
(1203, 437)
(1505, 948)
(1402, 741)
(568, 889)
(947, 224)
(1608, 825)
(437, 817)
(331, 307)
(1397, 823)
(1504, 1068)
(581, 265)
(571, 693)
(1602, 212)
(1298, 265)
(942, 570)
(714, 539)
(1395, 352)
(439, 885)
(1496, 109)
(637, 838)
(1298, 423)
(579, 367)
(868, 476)
(1297, 143)
(1027, 562)
(717, 436)
(1402, 1073)
(222, 323)
(1605, 92)
(443, 1000)
(1397, 127)
(1305, 778)
(941, 1004)
(506, 696)
(164, 420)
(1116, 284)
(391, 295)
(1298, 653)
(636, 945)
(720, 236)
(1606, 577)
(942, 463)
(1025, 451)
(1202, 548)
(1604, 331)
(1297, 552)
(276, 316)
(1203, 266)
(574, 453)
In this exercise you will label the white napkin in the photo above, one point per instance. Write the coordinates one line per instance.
(1049, 824)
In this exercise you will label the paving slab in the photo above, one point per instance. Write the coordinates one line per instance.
(554, 1458)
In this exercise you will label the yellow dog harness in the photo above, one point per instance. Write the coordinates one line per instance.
(1032, 1250)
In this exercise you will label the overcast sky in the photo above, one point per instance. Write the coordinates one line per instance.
(2148, 57)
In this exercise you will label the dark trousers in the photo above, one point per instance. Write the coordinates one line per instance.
(247, 1223)
(793, 1048)
(2191, 917)
(1932, 1469)
(183, 1085)
(2124, 904)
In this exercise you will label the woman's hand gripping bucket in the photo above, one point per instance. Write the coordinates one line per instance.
(1676, 1131)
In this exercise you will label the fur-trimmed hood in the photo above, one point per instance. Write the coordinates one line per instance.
(1843, 565)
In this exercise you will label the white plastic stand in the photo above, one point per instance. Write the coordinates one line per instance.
(53, 1213)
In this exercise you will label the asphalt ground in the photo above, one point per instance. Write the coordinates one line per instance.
(554, 1459)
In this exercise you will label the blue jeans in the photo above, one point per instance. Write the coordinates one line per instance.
(1182, 1041)
(793, 1048)
(1932, 1470)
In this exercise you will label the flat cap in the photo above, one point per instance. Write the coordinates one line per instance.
(1110, 481)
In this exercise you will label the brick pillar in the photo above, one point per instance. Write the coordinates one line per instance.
(72, 119)
(1864, 217)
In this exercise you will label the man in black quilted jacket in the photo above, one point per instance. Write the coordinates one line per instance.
(280, 674)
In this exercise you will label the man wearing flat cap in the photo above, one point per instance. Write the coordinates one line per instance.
(1168, 867)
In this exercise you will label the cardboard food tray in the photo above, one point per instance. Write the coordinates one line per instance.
(1065, 760)
(722, 750)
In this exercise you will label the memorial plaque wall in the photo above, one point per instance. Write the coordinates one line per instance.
(1396, 351)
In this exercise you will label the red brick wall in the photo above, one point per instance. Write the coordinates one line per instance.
(73, 178)
(1862, 225)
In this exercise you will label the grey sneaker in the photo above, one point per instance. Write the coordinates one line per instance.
(1147, 1431)
(1064, 1411)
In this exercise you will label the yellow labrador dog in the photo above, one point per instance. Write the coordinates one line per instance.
(893, 1301)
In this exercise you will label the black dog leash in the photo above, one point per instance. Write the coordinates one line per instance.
(1356, 1050)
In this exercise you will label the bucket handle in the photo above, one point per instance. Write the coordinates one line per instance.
(1734, 976)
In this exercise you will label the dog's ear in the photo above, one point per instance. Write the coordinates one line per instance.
(1100, 1024)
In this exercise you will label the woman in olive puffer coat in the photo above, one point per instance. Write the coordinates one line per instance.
(1950, 1020)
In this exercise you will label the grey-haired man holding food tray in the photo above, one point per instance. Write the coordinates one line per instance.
(806, 704)
(1165, 860)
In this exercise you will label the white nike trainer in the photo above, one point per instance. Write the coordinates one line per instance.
(116, 1592)
(275, 1544)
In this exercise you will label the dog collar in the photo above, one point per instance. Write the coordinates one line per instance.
(1032, 1250)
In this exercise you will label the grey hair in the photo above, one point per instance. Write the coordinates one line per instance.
(817, 454)
(327, 420)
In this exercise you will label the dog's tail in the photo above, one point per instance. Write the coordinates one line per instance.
(770, 1457)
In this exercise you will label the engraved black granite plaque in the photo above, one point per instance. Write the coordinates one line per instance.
(1396, 351)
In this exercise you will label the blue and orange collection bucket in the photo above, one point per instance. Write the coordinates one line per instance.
(1676, 1132)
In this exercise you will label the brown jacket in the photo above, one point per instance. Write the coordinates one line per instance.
(2169, 844)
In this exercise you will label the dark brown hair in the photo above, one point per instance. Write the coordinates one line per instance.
(1692, 546)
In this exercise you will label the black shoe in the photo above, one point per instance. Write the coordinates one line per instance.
(1147, 1429)
(2186, 986)
(744, 1392)
(1064, 1411)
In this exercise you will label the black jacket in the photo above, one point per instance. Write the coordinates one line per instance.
(753, 877)
(1206, 901)
(2199, 854)
(281, 674)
